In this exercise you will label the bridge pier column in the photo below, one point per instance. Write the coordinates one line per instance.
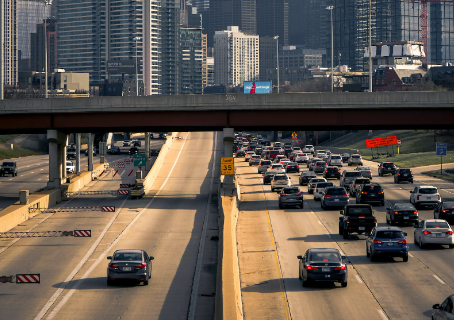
(127, 136)
(90, 152)
(63, 159)
(228, 152)
(77, 138)
(147, 151)
(57, 142)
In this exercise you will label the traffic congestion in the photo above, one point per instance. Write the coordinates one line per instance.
(387, 231)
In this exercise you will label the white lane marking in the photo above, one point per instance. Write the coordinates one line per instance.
(32, 172)
(329, 236)
(410, 255)
(101, 257)
(198, 267)
(382, 314)
(10, 179)
(39, 179)
(439, 280)
(319, 222)
(358, 279)
(21, 175)
(41, 170)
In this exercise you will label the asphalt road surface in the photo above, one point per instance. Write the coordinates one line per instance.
(170, 223)
(389, 288)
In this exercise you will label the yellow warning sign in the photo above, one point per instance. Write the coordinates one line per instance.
(227, 166)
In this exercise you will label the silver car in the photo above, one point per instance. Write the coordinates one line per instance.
(129, 264)
(366, 172)
(355, 159)
(433, 231)
(255, 160)
(347, 178)
(312, 183)
(320, 188)
(278, 167)
(312, 162)
(280, 181)
(263, 166)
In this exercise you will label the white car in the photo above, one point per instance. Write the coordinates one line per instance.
(70, 167)
(249, 155)
(277, 167)
(319, 188)
(255, 160)
(280, 181)
(126, 143)
(308, 148)
(301, 158)
(335, 160)
(425, 196)
(433, 231)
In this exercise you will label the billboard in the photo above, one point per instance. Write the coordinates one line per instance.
(380, 142)
(253, 87)
(121, 66)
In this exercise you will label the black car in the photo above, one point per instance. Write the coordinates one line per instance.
(266, 143)
(258, 151)
(291, 196)
(386, 168)
(292, 167)
(133, 150)
(331, 172)
(9, 168)
(445, 210)
(305, 177)
(94, 152)
(371, 193)
(402, 213)
(240, 154)
(268, 176)
(403, 174)
(444, 310)
(345, 157)
(324, 265)
(114, 150)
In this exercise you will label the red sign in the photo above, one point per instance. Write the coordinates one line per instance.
(399, 142)
(380, 142)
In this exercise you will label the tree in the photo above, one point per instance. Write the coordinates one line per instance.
(313, 85)
(426, 85)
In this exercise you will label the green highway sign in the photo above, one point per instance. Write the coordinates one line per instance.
(139, 156)
(140, 160)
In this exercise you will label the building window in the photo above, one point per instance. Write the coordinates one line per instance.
(393, 81)
(65, 78)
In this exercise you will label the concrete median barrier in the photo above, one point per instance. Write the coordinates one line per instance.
(228, 297)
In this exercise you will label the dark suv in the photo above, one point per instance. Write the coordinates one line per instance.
(290, 196)
(9, 168)
(386, 167)
(403, 174)
(371, 193)
(332, 172)
(292, 167)
(387, 241)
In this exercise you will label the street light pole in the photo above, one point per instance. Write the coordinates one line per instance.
(277, 60)
(137, 68)
(46, 3)
(330, 8)
(370, 45)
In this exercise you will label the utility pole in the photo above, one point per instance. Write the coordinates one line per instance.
(277, 60)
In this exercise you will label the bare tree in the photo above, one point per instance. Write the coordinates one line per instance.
(426, 85)
(313, 85)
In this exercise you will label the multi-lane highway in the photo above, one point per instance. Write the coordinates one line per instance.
(34, 172)
(174, 223)
(389, 288)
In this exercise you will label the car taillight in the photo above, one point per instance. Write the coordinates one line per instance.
(326, 170)
(396, 212)
(382, 167)
(274, 179)
(261, 164)
(417, 198)
(348, 220)
(311, 268)
(380, 192)
(415, 212)
(377, 241)
(402, 241)
(297, 166)
(343, 180)
(298, 194)
(112, 266)
(316, 190)
(345, 195)
(427, 232)
(283, 195)
(327, 196)
(370, 171)
(449, 232)
(363, 192)
(444, 211)
(439, 197)
(354, 186)
(143, 265)
(375, 220)
(340, 268)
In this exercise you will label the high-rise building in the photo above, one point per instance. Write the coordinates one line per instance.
(37, 45)
(272, 19)
(170, 46)
(236, 57)
(268, 59)
(441, 33)
(152, 69)
(9, 34)
(193, 60)
(224, 13)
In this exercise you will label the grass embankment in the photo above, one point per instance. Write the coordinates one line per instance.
(6, 137)
(16, 153)
(417, 149)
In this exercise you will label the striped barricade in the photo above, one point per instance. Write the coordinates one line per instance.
(73, 209)
(44, 234)
(7, 279)
(123, 192)
(28, 278)
(67, 194)
(126, 185)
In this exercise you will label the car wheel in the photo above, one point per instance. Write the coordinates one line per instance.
(145, 283)
(109, 282)
(344, 234)
(411, 181)
(421, 245)
(322, 205)
(272, 189)
(301, 205)
(387, 220)
(405, 258)
(299, 275)
(281, 206)
(344, 284)
(451, 246)
(382, 203)
(305, 283)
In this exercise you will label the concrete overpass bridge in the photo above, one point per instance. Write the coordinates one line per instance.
(294, 111)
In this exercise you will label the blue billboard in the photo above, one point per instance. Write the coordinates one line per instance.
(253, 87)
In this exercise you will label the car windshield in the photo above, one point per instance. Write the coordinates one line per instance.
(388, 164)
(324, 256)
(309, 174)
(363, 168)
(448, 205)
(372, 188)
(277, 165)
(266, 162)
(437, 224)
(317, 180)
(335, 157)
(428, 191)
(404, 170)
(69, 163)
(404, 206)
(356, 156)
(362, 181)
(336, 191)
(324, 184)
(353, 174)
(390, 234)
(291, 191)
(309, 146)
(321, 163)
(8, 164)
(292, 164)
(128, 256)
(359, 211)
(280, 178)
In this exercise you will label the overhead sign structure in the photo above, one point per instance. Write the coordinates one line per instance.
(140, 159)
(227, 166)
(253, 87)
(380, 142)
(442, 148)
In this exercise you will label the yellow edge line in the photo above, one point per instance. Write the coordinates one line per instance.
(278, 267)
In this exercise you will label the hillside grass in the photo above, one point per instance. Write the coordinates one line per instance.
(16, 153)
(417, 149)
(6, 137)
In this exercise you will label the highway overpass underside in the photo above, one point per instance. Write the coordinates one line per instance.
(216, 120)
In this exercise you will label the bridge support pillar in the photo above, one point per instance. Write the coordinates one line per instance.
(57, 151)
(77, 138)
(63, 158)
(228, 152)
(90, 152)
(127, 136)
(147, 151)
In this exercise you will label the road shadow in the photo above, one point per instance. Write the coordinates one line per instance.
(290, 284)
(313, 238)
(364, 260)
(99, 283)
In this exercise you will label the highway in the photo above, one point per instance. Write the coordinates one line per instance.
(169, 223)
(389, 288)
(34, 172)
